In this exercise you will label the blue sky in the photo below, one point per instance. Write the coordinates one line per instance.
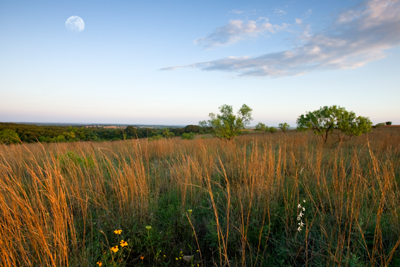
(174, 62)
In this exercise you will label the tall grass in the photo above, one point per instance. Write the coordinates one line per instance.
(60, 203)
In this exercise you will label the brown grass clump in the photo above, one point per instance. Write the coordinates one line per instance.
(228, 204)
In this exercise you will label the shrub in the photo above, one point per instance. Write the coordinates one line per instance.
(379, 125)
(188, 136)
(156, 137)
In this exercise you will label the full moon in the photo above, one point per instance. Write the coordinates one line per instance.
(75, 24)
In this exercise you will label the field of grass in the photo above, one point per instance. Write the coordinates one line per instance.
(225, 204)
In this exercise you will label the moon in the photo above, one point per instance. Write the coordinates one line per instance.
(75, 24)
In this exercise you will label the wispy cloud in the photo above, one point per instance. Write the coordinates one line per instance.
(359, 35)
(237, 12)
(308, 13)
(235, 31)
(279, 11)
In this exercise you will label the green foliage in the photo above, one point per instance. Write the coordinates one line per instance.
(29, 133)
(167, 134)
(334, 120)
(284, 127)
(260, 127)
(155, 137)
(188, 136)
(76, 159)
(388, 123)
(8, 136)
(226, 125)
(131, 132)
(272, 130)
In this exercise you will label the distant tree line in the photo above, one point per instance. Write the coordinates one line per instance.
(29, 133)
(332, 121)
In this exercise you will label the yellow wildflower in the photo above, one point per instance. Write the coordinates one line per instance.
(148, 227)
(117, 232)
(123, 243)
(99, 263)
(114, 249)
(190, 211)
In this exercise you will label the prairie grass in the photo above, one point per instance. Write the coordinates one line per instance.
(227, 204)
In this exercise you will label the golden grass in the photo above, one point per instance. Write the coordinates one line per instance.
(55, 199)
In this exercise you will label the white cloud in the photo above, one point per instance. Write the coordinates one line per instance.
(359, 35)
(279, 11)
(237, 12)
(308, 13)
(235, 31)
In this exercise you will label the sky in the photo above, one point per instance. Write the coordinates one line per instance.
(174, 62)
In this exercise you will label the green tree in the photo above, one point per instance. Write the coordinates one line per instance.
(272, 130)
(336, 121)
(59, 139)
(260, 127)
(132, 132)
(226, 125)
(284, 127)
(70, 135)
(188, 136)
(8, 136)
(167, 134)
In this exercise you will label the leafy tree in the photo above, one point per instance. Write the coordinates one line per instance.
(260, 127)
(226, 125)
(188, 136)
(388, 123)
(334, 120)
(59, 139)
(192, 129)
(272, 130)
(70, 135)
(284, 127)
(8, 136)
(167, 134)
(130, 132)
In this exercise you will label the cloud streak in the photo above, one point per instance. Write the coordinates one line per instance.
(357, 36)
(237, 30)
(280, 11)
(237, 12)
